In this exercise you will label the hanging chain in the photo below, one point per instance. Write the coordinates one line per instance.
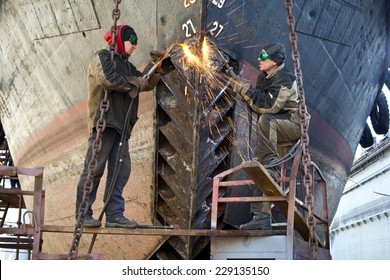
(96, 146)
(304, 121)
(116, 14)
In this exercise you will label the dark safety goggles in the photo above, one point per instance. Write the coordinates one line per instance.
(263, 56)
(133, 39)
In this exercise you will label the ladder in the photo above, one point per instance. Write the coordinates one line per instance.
(291, 245)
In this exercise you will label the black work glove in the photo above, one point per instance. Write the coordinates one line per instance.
(166, 65)
(156, 55)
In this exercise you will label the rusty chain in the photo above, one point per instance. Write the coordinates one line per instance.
(96, 146)
(116, 14)
(304, 121)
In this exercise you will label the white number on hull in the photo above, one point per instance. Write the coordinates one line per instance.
(188, 3)
(219, 3)
(216, 27)
(189, 28)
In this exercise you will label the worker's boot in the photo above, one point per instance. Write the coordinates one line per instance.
(260, 220)
(90, 222)
(121, 222)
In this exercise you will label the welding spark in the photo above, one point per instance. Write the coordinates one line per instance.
(217, 98)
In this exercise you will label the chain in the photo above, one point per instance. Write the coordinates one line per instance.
(96, 147)
(116, 14)
(304, 121)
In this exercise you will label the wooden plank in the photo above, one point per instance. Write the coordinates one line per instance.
(15, 240)
(45, 256)
(163, 232)
(8, 171)
(23, 231)
(17, 246)
(15, 191)
(267, 184)
(13, 171)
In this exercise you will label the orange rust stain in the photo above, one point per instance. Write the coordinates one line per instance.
(61, 133)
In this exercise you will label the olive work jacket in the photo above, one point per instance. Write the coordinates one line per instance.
(118, 79)
(274, 94)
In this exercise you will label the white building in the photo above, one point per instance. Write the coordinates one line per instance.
(361, 227)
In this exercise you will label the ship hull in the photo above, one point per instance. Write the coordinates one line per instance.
(45, 50)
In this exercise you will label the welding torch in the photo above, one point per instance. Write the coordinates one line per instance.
(159, 61)
(229, 69)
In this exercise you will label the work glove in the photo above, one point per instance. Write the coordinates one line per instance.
(148, 84)
(239, 86)
(152, 82)
(141, 84)
(163, 68)
(166, 65)
(155, 55)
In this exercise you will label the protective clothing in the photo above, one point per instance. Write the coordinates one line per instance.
(273, 94)
(123, 82)
(124, 31)
(275, 99)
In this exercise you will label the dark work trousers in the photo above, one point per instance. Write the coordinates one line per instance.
(108, 154)
(271, 130)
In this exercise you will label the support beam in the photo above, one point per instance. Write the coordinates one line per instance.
(163, 232)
